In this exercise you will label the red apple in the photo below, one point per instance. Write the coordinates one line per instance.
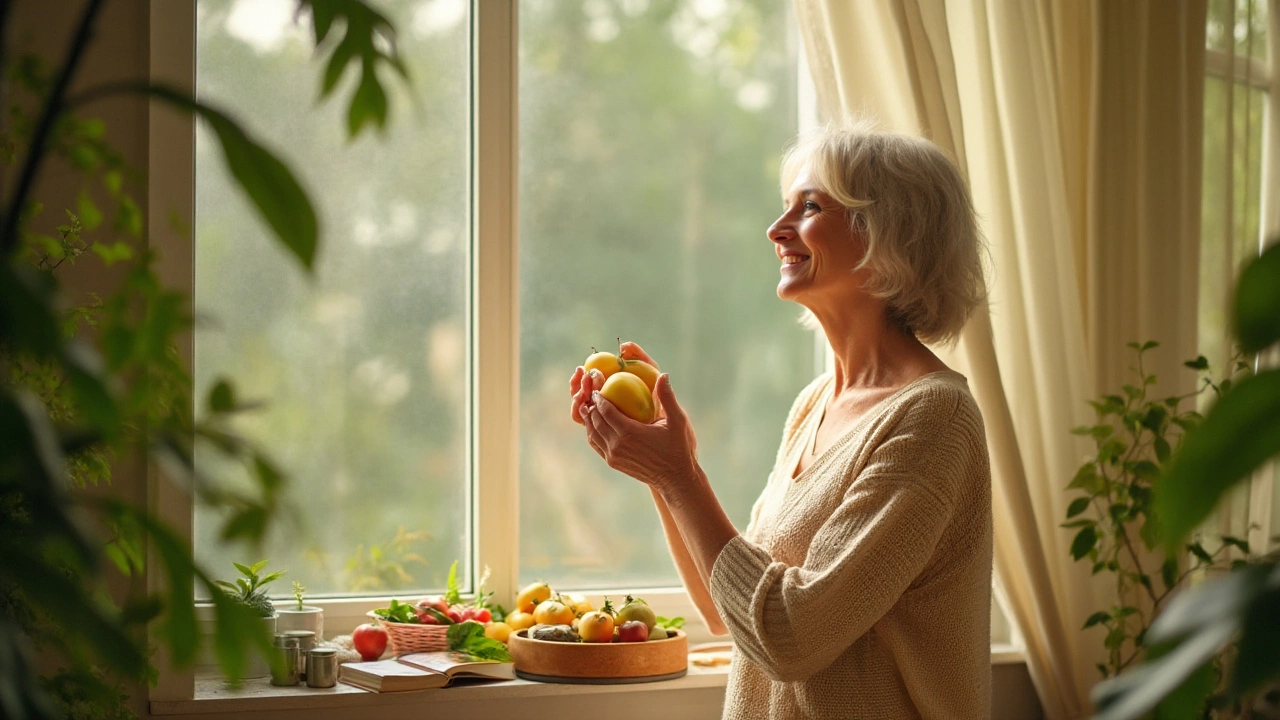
(370, 641)
(633, 631)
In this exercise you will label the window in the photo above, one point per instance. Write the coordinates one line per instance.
(647, 137)
(1241, 171)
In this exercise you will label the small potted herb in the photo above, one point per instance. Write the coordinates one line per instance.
(250, 590)
(300, 616)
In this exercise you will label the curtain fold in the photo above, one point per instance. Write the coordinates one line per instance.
(1029, 99)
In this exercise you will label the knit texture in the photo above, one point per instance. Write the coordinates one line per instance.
(862, 587)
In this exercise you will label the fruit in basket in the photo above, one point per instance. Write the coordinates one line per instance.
(370, 641)
(657, 632)
(553, 612)
(631, 396)
(520, 620)
(531, 595)
(499, 631)
(436, 601)
(597, 625)
(633, 631)
(553, 633)
(637, 609)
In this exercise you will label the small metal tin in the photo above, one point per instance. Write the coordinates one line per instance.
(322, 667)
(306, 640)
(284, 661)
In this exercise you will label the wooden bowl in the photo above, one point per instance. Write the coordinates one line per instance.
(599, 662)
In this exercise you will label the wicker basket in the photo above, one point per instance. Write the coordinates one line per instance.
(405, 638)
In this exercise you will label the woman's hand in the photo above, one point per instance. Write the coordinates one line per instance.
(658, 454)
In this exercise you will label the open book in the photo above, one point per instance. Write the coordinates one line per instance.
(421, 671)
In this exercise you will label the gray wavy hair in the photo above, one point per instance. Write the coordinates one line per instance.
(907, 198)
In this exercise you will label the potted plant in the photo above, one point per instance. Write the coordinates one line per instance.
(250, 590)
(299, 616)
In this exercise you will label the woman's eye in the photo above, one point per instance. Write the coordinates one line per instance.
(810, 205)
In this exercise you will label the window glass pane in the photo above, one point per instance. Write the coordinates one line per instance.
(1248, 31)
(363, 367)
(1231, 205)
(650, 136)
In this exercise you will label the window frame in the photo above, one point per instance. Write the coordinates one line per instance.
(493, 373)
(1253, 74)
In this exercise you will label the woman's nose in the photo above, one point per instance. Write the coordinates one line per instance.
(779, 230)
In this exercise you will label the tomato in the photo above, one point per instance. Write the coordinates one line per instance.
(553, 612)
(529, 597)
(499, 631)
(370, 641)
(606, 362)
(520, 620)
(633, 631)
(631, 396)
(643, 370)
(637, 609)
(596, 626)
(481, 615)
(455, 614)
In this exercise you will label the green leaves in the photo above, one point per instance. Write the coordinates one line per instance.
(369, 40)
(453, 589)
(1083, 542)
(1241, 431)
(469, 638)
(1257, 302)
(270, 185)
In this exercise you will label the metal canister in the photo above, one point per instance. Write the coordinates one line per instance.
(322, 667)
(306, 640)
(284, 661)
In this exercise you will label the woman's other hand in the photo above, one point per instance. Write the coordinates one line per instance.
(657, 453)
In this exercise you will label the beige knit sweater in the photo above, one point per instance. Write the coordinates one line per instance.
(862, 588)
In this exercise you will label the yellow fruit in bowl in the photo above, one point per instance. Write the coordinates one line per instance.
(631, 396)
(553, 612)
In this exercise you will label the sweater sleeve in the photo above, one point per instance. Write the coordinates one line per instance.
(794, 621)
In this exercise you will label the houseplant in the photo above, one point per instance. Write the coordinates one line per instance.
(81, 385)
(1240, 434)
(1135, 436)
(249, 591)
(300, 616)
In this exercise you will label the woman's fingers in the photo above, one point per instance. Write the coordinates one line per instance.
(667, 398)
(580, 386)
(631, 351)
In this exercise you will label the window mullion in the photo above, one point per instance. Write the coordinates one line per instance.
(495, 349)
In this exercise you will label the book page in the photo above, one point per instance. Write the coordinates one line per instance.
(456, 663)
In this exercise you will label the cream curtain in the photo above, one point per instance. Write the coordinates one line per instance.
(1014, 91)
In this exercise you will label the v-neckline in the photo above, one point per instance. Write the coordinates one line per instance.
(813, 424)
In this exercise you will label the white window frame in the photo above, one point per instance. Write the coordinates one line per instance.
(1254, 74)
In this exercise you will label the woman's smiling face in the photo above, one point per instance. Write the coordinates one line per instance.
(816, 245)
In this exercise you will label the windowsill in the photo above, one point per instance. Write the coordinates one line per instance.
(212, 695)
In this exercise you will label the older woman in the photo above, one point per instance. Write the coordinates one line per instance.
(861, 587)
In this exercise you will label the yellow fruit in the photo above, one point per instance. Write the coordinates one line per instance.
(631, 396)
(531, 595)
(643, 370)
(499, 631)
(553, 612)
(606, 362)
(596, 627)
(520, 620)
